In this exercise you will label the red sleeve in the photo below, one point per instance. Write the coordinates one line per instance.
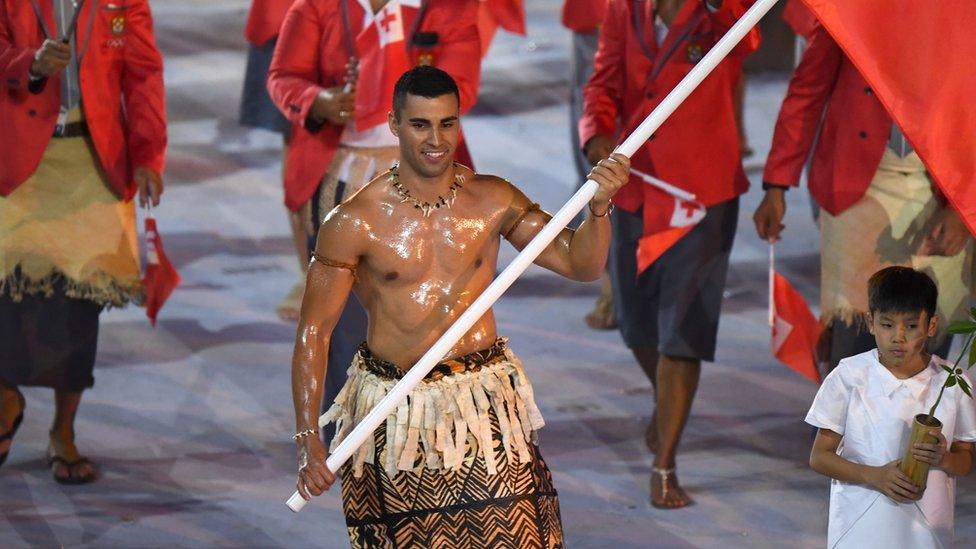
(603, 94)
(143, 92)
(799, 116)
(583, 15)
(293, 79)
(461, 52)
(15, 62)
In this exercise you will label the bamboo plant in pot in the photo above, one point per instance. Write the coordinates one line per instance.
(924, 423)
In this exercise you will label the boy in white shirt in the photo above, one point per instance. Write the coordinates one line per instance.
(864, 412)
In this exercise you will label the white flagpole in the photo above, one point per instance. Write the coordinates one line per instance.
(535, 247)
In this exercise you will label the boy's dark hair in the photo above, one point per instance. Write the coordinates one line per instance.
(425, 81)
(901, 290)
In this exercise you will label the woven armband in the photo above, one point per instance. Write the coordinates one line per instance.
(518, 221)
(337, 264)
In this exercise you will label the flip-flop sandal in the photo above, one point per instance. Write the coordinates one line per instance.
(9, 435)
(71, 466)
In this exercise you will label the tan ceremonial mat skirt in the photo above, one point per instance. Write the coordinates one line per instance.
(456, 466)
(65, 222)
(886, 228)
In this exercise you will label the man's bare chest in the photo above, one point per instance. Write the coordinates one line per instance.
(412, 249)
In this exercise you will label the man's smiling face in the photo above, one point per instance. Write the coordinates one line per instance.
(428, 129)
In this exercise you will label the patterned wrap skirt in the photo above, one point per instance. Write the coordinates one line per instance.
(885, 228)
(456, 465)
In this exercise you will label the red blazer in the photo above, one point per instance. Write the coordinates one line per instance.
(854, 132)
(697, 148)
(121, 74)
(311, 55)
(264, 20)
(583, 16)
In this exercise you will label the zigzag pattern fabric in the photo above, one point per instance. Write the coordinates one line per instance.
(517, 507)
(462, 468)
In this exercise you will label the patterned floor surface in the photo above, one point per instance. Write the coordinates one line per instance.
(190, 422)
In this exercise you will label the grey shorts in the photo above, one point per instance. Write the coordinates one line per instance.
(674, 305)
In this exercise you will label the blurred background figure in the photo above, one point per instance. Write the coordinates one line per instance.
(84, 129)
(258, 111)
(583, 18)
(879, 206)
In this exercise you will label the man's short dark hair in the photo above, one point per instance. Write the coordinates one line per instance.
(901, 290)
(425, 81)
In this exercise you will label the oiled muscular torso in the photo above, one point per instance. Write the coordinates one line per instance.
(417, 274)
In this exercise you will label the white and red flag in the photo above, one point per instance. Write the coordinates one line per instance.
(382, 47)
(918, 59)
(160, 278)
(795, 330)
(677, 216)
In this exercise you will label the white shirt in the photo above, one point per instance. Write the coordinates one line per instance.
(873, 411)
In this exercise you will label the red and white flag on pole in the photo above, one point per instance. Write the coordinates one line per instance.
(161, 277)
(794, 328)
(677, 216)
(918, 59)
(383, 48)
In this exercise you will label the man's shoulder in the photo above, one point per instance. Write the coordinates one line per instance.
(487, 187)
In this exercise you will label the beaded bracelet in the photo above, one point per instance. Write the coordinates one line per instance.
(305, 433)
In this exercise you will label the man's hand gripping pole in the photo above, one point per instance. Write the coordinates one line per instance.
(535, 247)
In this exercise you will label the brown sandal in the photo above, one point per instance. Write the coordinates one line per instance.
(665, 475)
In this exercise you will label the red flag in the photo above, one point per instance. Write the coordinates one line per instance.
(161, 277)
(917, 57)
(677, 215)
(384, 58)
(507, 14)
(794, 329)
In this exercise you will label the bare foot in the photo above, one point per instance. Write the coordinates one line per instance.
(291, 305)
(650, 434)
(67, 465)
(603, 317)
(666, 493)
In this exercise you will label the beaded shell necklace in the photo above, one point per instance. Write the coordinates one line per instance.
(423, 206)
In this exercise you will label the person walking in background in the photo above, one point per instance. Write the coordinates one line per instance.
(84, 128)
(879, 207)
(258, 111)
(668, 296)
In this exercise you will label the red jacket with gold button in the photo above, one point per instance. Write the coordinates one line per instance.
(827, 86)
(697, 148)
(311, 55)
(121, 77)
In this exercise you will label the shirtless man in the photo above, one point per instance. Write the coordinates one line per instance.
(418, 244)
